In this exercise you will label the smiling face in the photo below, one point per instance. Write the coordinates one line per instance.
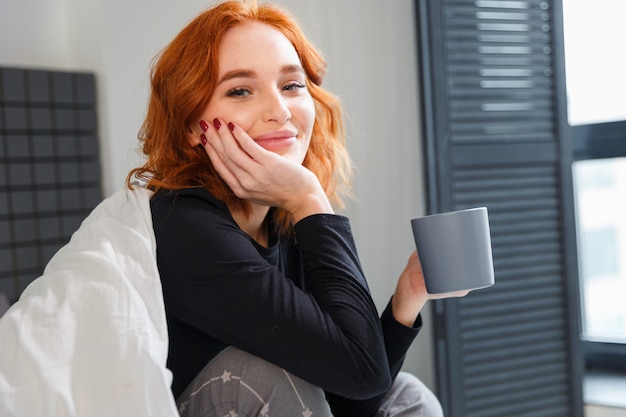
(261, 87)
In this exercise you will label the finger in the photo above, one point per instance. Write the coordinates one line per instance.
(221, 147)
(229, 149)
(223, 170)
(215, 149)
(248, 145)
(239, 170)
(213, 137)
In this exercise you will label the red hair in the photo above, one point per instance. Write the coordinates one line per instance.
(182, 83)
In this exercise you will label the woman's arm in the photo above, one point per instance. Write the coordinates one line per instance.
(215, 280)
(398, 339)
(401, 322)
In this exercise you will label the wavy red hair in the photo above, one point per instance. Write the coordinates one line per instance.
(182, 82)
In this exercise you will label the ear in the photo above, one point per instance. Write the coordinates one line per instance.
(193, 138)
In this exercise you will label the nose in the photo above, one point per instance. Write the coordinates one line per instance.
(276, 108)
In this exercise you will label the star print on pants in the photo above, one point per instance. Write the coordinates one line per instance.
(225, 376)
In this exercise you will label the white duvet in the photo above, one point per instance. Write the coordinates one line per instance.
(89, 337)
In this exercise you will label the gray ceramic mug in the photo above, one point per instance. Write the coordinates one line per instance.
(455, 250)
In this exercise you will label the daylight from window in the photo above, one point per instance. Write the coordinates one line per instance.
(595, 58)
(601, 215)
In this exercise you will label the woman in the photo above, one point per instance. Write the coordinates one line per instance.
(246, 156)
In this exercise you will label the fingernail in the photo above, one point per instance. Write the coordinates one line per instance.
(217, 123)
(204, 126)
(231, 126)
(203, 139)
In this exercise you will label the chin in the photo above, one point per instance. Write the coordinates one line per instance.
(297, 159)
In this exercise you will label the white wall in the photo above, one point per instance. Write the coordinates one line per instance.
(371, 50)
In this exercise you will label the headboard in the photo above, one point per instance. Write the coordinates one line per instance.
(49, 167)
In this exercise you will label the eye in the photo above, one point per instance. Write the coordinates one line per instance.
(294, 86)
(238, 92)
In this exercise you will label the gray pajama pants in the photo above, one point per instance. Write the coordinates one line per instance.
(237, 384)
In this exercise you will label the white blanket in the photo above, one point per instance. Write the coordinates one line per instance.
(89, 338)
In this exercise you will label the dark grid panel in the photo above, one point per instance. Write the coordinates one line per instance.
(49, 167)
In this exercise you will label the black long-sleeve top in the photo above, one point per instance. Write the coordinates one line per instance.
(303, 306)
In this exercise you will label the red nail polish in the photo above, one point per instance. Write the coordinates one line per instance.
(203, 125)
(203, 139)
(231, 126)
(217, 123)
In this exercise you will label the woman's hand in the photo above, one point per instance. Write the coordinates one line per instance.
(411, 295)
(261, 176)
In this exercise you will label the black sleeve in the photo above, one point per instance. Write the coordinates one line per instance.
(215, 280)
(398, 339)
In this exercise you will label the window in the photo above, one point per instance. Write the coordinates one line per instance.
(601, 223)
(594, 59)
(596, 90)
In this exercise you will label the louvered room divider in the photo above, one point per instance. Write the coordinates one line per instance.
(496, 135)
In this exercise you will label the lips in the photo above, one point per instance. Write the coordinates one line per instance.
(277, 140)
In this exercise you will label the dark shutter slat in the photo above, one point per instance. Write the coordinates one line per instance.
(522, 373)
(517, 389)
(480, 93)
(540, 402)
(511, 388)
(496, 155)
(509, 366)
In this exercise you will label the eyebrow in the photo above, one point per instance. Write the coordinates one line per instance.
(246, 73)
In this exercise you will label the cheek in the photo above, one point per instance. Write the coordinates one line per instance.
(225, 111)
(308, 120)
(242, 116)
(307, 116)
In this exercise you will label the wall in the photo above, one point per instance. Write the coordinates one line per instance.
(371, 51)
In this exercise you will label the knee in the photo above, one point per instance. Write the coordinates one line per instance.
(414, 395)
(238, 381)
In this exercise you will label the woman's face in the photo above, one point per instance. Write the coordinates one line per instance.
(262, 88)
